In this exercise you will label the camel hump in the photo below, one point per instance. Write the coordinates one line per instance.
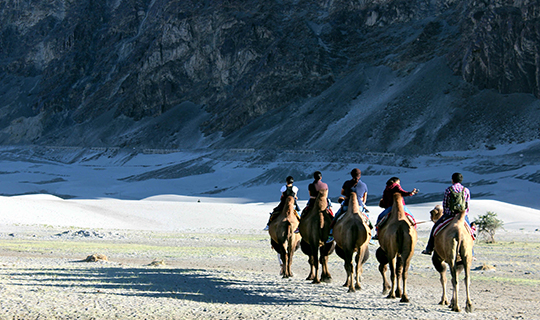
(460, 216)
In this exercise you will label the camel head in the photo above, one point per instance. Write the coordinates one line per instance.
(436, 213)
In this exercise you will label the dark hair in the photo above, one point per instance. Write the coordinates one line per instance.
(391, 181)
(317, 175)
(457, 177)
(355, 173)
(289, 179)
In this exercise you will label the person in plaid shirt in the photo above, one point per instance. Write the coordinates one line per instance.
(457, 178)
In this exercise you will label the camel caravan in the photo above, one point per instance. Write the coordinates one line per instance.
(318, 232)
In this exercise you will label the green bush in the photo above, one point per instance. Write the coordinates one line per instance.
(488, 224)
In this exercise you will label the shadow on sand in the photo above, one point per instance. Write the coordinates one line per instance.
(188, 284)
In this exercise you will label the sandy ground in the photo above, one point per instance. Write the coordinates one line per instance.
(230, 274)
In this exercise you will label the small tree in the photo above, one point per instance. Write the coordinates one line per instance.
(488, 224)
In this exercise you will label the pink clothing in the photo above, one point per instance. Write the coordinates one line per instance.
(315, 187)
(388, 195)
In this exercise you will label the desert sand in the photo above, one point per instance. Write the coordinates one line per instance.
(174, 257)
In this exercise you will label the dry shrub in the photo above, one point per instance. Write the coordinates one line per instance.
(96, 257)
(156, 263)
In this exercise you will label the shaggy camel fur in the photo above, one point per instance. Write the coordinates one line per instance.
(453, 245)
(397, 239)
(315, 228)
(352, 234)
(284, 240)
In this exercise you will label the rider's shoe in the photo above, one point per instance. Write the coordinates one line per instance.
(330, 239)
(427, 252)
(266, 228)
(297, 230)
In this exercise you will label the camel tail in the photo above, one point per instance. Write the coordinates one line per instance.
(400, 237)
(456, 244)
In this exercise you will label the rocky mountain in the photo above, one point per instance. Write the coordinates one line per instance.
(404, 76)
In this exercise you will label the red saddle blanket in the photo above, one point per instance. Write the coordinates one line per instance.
(446, 222)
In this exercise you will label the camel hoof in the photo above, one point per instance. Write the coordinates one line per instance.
(346, 284)
(385, 291)
(444, 302)
(456, 309)
(391, 296)
(315, 281)
(327, 280)
(357, 286)
(469, 308)
(351, 290)
(404, 299)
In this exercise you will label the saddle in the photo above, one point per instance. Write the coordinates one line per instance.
(447, 221)
(362, 215)
(408, 215)
(329, 211)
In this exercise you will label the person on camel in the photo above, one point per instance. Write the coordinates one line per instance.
(314, 188)
(361, 189)
(455, 189)
(393, 185)
(287, 190)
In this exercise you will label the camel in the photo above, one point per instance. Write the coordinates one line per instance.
(315, 228)
(284, 240)
(397, 239)
(352, 235)
(453, 245)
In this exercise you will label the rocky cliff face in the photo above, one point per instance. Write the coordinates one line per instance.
(396, 75)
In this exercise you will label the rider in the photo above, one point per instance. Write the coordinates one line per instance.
(287, 190)
(361, 189)
(314, 189)
(393, 185)
(457, 187)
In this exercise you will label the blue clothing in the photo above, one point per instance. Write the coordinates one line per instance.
(353, 186)
(387, 211)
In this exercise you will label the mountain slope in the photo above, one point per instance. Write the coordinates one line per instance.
(375, 75)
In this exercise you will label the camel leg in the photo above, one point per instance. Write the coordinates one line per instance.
(349, 269)
(440, 266)
(285, 258)
(383, 262)
(347, 257)
(290, 252)
(311, 274)
(289, 263)
(399, 275)
(392, 264)
(315, 252)
(359, 269)
(467, 266)
(325, 274)
(404, 275)
(454, 304)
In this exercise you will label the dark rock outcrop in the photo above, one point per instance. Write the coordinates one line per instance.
(229, 73)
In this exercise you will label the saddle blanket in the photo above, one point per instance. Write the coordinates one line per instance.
(447, 222)
(328, 211)
(362, 215)
(408, 215)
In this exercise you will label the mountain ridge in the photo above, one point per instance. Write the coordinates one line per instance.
(279, 74)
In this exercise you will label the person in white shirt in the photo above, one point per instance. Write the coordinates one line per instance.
(287, 190)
